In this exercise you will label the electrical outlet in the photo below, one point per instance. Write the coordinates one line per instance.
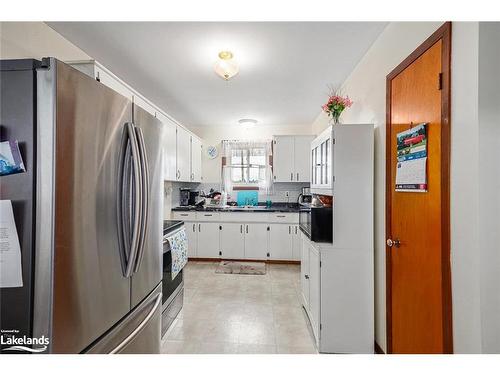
(287, 194)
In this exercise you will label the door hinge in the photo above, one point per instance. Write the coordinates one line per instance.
(220, 253)
(320, 263)
(268, 255)
(320, 326)
(440, 81)
(333, 141)
(220, 227)
(333, 178)
(268, 229)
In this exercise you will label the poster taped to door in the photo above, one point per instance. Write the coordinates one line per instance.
(10, 250)
(411, 166)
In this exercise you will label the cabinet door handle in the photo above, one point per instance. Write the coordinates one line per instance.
(289, 229)
(306, 276)
(184, 215)
(247, 228)
(241, 228)
(297, 176)
(280, 216)
(291, 176)
(194, 227)
(199, 227)
(295, 229)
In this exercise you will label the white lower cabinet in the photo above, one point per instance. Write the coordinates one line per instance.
(296, 242)
(208, 240)
(231, 236)
(280, 241)
(304, 271)
(192, 239)
(256, 238)
(314, 289)
(232, 242)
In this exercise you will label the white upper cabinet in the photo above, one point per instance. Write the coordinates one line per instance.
(183, 155)
(291, 158)
(321, 162)
(302, 158)
(182, 149)
(144, 104)
(104, 76)
(196, 153)
(169, 147)
(283, 159)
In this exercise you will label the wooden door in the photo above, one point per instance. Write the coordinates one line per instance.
(418, 279)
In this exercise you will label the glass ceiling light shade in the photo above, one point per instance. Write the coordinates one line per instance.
(247, 122)
(226, 67)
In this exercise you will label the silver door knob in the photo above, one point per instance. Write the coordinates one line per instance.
(393, 243)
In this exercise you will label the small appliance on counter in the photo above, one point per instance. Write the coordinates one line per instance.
(193, 197)
(305, 196)
(316, 219)
(172, 289)
(184, 196)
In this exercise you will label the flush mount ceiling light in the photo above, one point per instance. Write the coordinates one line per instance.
(247, 122)
(226, 67)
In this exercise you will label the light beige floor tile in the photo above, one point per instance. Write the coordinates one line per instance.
(218, 348)
(310, 349)
(257, 333)
(180, 347)
(256, 349)
(226, 313)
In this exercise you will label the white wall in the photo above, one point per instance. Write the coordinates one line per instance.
(20, 40)
(474, 207)
(213, 135)
(489, 187)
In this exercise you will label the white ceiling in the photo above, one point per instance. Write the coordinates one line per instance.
(285, 67)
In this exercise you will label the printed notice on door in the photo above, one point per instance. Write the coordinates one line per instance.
(10, 251)
(411, 167)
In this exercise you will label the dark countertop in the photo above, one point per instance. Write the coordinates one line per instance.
(275, 207)
(170, 225)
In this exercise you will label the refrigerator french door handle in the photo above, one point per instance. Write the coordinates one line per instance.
(139, 328)
(136, 209)
(145, 197)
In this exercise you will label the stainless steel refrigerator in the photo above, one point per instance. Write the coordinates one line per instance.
(87, 212)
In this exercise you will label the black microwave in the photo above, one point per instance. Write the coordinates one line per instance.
(317, 223)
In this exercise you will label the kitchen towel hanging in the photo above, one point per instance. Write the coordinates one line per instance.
(178, 248)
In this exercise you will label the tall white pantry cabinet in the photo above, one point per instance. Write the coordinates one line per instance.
(337, 279)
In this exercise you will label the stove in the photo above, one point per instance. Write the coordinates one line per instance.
(173, 290)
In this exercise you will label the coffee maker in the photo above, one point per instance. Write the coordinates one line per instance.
(184, 196)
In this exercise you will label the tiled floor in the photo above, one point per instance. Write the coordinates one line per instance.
(240, 313)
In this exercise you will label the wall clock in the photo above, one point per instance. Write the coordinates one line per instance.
(212, 152)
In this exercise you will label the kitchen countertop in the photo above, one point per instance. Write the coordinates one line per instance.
(275, 207)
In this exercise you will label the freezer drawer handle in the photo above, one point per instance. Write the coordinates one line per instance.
(145, 197)
(139, 328)
(129, 181)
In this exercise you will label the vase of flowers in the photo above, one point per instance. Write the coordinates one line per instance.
(335, 105)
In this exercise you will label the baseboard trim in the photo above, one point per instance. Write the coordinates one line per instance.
(378, 349)
(247, 260)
